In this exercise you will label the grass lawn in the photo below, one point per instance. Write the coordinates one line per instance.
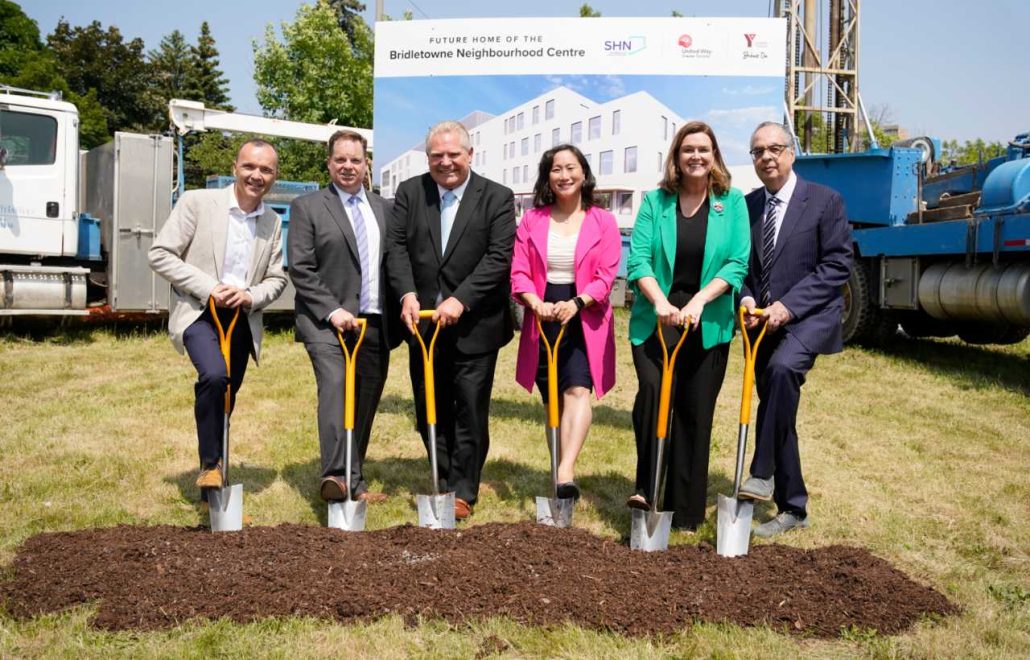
(919, 453)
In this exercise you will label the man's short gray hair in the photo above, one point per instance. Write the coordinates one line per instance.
(449, 126)
(788, 139)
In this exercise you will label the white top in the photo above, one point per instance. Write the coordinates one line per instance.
(371, 306)
(239, 242)
(561, 258)
(783, 194)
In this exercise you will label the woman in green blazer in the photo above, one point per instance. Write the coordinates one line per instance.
(688, 256)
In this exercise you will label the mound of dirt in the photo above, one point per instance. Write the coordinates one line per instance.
(156, 577)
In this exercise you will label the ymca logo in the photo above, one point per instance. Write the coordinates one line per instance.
(750, 38)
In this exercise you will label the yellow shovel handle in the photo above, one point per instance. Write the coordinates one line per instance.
(427, 365)
(668, 364)
(750, 354)
(224, 343)
(350, 361)
(552, 373)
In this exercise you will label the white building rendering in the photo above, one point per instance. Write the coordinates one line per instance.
(624, 140)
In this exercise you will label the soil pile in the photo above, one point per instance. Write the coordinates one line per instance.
(156, 577)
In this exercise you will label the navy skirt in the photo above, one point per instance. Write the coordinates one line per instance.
(573, 367)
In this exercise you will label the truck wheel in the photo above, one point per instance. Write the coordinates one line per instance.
(863, 321)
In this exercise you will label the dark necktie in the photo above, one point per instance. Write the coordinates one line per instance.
(768, 246)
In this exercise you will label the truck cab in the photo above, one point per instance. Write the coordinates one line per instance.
(39, 142)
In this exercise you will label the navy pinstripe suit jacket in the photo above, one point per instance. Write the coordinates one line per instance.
(811, 262)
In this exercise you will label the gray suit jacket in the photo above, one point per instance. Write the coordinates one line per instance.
(324, 264)
(190, 248)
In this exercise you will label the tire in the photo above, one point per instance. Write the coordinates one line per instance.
(863, 321)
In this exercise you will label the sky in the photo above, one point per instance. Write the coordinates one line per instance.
(947, 68)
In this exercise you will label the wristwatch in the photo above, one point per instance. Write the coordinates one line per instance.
(579, 303)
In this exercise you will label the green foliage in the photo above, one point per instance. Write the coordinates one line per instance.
(586, 11)
(207, 83)
(969, 152)
(94, 58)
(212, 153)
(19, 38)
(173, 67)
(316, 73)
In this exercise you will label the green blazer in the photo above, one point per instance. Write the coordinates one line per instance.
(652, 253)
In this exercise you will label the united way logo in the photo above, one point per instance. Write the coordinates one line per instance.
(625, 46)
(685, 41)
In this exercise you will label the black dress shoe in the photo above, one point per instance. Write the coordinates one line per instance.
(568, 491)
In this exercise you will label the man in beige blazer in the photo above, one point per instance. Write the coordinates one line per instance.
(224, 245)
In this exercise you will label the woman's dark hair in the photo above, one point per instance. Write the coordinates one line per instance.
(542, 193)
(718, 178)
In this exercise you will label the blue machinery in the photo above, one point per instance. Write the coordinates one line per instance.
(942, 255)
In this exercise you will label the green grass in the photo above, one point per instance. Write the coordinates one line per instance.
(919, 453)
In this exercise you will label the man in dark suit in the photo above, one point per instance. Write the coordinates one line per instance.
(800, 258)
(451, 239)
(336, 248)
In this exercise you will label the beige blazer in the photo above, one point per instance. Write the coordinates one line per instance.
(190, 248)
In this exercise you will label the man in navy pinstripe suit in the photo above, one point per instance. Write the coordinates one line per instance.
(800, 258)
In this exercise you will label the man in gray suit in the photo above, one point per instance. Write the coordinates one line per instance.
(224, 245)
(336, 248)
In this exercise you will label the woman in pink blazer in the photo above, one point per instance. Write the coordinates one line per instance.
(567, 252)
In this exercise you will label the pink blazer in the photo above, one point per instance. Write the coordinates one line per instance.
(598, 250)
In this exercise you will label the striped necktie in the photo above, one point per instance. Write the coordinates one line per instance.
(768, 246)
(361, 235)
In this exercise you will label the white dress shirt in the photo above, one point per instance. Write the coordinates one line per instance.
(374, 253)
(239, 242)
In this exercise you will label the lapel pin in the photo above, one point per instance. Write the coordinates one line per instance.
(718, 207)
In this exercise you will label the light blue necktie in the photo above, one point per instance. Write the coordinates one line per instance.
(362, 238)
(448, 209)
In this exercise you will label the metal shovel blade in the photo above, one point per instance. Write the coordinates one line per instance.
(733, 533)
(226, 508)
(649, 530)
(436, 511)
(348, 515)
(554, 511)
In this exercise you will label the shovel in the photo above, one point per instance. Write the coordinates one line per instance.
(733, 532)
(649, 530)
(435, 511)
(225, 504)
(554, 511)
(349, 515)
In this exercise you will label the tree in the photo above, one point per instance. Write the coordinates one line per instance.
(970, 152)
(316, 73)
(208, 83)
(586, 11)
(173, 66)
(19, 39)
(348, 14)
(92, 58)
(676, 14)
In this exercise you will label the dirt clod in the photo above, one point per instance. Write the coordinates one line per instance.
(156, 577)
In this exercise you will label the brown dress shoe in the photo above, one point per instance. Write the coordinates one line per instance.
(462, 509)
(333, 489)
(373, 498)
(210, 478)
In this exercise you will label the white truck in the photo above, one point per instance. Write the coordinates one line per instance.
(75, 226)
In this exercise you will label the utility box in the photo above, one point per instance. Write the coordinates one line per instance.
(128, 187)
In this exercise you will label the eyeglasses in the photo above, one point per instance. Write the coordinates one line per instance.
(774, 149)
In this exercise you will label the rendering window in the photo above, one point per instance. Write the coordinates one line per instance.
(555, 137)
(536, 114)
(536, 143)
(616, 121)
(576, 136)
(623, 203)
(521, 121)
(525, 146)
(605, 165)
(630, 160)
(594, 128)
(549, 109)
(665, 127)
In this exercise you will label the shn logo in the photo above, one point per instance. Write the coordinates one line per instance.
(750, 39)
